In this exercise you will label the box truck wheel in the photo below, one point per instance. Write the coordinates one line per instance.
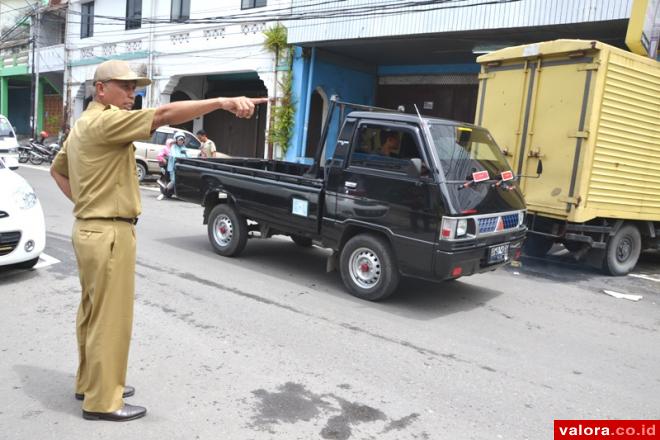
(227, 230)
(623, 250)
(537, 245)
(368, 267)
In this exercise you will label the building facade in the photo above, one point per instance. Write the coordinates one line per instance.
(396, 54)
(191, 49)
(32, 64)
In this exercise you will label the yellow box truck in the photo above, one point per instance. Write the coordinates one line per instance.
(590, 114)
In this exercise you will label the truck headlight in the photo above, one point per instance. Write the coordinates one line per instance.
(25, 197)
(448, 229)
(454, 228)
(461, 227)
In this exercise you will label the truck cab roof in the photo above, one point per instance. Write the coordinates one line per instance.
(406, 118)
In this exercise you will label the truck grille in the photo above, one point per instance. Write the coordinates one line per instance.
(9, 241)
(490, 224)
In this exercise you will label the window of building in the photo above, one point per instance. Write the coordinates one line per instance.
(180, 10)
(133, 14)
(87, 20)
(249, 4)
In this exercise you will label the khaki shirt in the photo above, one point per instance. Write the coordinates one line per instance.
(208, 148)
(98, 157)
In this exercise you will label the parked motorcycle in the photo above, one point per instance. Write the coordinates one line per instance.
(38, 153)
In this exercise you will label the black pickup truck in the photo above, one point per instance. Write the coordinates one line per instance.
(402, 195)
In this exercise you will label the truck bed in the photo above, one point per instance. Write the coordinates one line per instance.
(270, 191)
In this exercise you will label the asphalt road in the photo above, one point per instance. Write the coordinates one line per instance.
(269, 345)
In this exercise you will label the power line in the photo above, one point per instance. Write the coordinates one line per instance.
(351, 11)
(336, 18)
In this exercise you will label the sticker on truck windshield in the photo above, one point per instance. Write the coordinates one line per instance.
(300, 207)
(480, 176)
(507, 175)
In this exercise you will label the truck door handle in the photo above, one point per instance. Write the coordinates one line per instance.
(351, 185)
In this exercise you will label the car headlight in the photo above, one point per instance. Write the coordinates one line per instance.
(25, 197)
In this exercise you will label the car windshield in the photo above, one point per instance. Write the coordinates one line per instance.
(464, 151)
(5, 128)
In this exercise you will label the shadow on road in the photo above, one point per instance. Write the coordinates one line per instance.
(54, 389)
(281, 258)
(10, 274)
(562, 268)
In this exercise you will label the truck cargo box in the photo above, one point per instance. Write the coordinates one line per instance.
(591, 113)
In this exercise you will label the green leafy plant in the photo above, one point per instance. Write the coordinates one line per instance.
(283, 111)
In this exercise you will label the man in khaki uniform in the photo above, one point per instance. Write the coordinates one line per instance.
(96, 170)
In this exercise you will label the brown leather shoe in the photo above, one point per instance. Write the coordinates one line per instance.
(123, 414)
(128, 392)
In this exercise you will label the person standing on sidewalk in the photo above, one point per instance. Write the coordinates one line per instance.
(96, 170)
(207, 149)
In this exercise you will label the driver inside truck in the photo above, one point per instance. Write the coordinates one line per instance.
(390, 144)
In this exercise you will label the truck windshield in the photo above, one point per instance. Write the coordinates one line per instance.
(464, 151)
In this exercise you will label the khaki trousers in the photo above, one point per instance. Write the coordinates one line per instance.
(105, 250)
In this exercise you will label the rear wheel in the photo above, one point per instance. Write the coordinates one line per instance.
(537, 245)
(301, 241)
(623, 251)
(227, 230)
(368, 267)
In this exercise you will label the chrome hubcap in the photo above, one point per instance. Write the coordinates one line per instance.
(364, 268)
(223, 230)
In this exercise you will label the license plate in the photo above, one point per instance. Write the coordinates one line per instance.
(499, 253)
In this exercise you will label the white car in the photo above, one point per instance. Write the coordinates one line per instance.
(22, 226)
(8, 143)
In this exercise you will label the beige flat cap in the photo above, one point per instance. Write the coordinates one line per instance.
(118, 70)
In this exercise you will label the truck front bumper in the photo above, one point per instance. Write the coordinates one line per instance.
(450, 264)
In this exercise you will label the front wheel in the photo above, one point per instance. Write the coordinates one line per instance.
(23, 156)
(623, 251)
(368, 267)
(227, 230)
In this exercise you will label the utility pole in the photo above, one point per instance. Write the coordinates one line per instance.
(150, 100)
(67, 74)
(35, 28)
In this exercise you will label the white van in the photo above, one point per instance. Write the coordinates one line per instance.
(8, 144)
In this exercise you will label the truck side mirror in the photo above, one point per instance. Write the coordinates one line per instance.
(539, 168)
(417, 164)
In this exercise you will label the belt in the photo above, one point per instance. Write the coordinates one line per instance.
(132, 221)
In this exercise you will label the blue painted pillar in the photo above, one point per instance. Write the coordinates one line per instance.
(301, 66)
(308, 101)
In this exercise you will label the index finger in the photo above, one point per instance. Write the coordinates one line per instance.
(256, 101)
